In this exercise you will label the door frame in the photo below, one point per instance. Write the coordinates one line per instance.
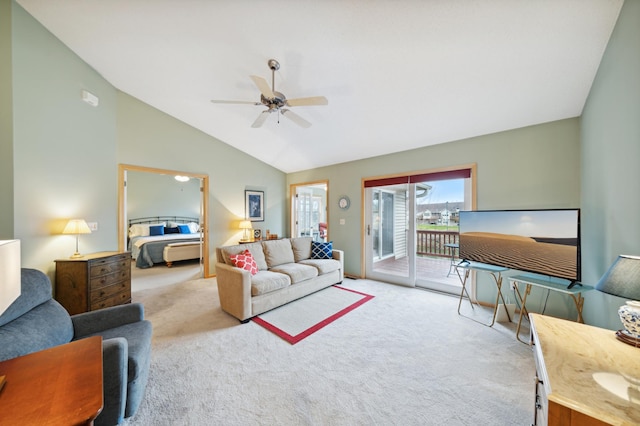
(292, 193)
(363, 208)
(122, 205)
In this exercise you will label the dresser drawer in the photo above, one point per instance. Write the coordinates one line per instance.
(112, 300)
(99, 267)
(108, 291)
(109, 279)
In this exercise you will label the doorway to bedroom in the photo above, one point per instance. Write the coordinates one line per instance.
(162, 221)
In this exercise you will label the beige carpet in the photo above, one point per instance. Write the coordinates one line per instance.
(403, 358)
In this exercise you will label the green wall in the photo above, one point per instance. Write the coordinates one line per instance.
(549, 178)
(150, 138)
(6, 126)
(66, 153)
(610, 127)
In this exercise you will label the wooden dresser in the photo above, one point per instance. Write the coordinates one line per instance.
(584, 375)
(95, 281)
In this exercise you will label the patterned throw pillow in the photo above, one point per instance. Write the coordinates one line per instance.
(321, 250)
(245, 261)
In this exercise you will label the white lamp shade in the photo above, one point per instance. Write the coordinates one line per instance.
(76, 226)
(245, 224)
(9, 273)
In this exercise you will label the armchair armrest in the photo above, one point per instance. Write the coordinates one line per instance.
(96, 321)
(115, 353)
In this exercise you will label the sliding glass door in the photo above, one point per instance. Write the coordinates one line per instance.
(411, 228)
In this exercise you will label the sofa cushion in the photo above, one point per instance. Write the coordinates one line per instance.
(301, 248)
(321, 250)
(324, 266)
(254, 248)
(245, 261)
(278, 252)
(267, 281)
(296, 271)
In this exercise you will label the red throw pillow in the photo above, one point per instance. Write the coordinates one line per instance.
(245, 261)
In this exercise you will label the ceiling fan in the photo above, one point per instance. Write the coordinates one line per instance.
(276, 101)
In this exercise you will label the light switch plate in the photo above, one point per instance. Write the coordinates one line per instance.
(93, 226)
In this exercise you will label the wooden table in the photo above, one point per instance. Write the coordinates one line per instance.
(57, 386)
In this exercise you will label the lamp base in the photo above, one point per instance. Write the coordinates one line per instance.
(76, 255)
(628, 338)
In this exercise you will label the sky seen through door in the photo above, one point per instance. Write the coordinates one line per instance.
(444, 191)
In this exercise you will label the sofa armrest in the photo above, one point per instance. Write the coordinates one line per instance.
(104, 319)
(115, 353)
(234, 290)
(339, 256)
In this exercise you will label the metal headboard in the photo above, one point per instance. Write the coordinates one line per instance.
(156, 219)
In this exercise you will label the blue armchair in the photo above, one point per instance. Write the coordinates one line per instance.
(35, 321)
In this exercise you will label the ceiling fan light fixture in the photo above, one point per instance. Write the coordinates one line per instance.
(276, 101)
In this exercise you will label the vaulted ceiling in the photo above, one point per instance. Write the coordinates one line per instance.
(398, 74)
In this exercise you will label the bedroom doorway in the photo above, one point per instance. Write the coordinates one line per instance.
(158, 174)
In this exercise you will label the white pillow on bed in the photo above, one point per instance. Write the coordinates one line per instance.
(142, 229)
(193, 227)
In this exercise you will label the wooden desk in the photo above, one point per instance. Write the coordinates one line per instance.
(584, 375)
(57, 386)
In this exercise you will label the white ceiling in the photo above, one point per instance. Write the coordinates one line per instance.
(398, 74)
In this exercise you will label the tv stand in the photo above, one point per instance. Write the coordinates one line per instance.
(573, 284)
(495, 272)
(574, 292)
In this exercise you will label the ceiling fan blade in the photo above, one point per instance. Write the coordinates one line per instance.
(295, 118)
(218, 101)
(263, 86)
(313, 100)
(261, 119)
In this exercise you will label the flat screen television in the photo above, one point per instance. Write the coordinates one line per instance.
(545, 242)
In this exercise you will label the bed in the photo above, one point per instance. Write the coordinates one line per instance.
(148, 236)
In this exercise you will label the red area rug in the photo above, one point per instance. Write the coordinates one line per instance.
(303, 317)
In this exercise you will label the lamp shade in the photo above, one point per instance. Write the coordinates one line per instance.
(76, 226)
(623, 278)
(9, 273)
(245, 224)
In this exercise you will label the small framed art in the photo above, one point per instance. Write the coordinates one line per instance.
(257, 234)
(254, 205)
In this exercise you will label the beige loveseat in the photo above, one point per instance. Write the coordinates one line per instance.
(286, 271)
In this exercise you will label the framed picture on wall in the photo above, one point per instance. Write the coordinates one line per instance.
(254, 205)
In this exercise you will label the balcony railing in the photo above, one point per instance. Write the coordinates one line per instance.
(432, 243)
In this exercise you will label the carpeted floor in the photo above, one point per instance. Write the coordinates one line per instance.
(404, 358)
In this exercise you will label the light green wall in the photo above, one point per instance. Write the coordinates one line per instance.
(610, 129)
(150, 138)
(6, 126)
(549, 178)
(64, 151)
(152, 194)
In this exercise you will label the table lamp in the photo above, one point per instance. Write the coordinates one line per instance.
(623, 280)
(76, 227)
(10, 281)
(246, 225)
